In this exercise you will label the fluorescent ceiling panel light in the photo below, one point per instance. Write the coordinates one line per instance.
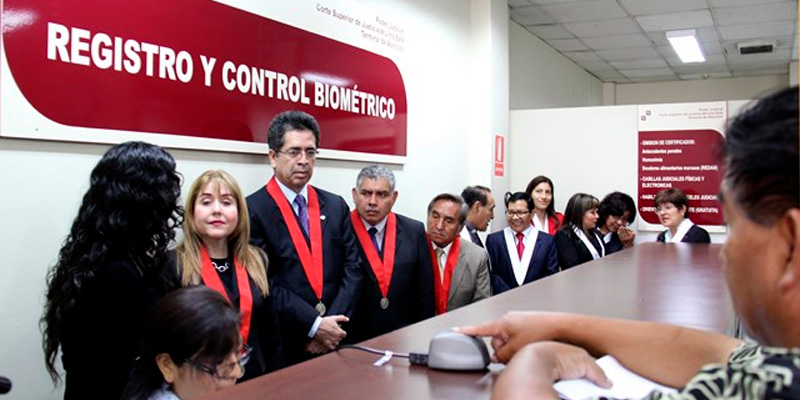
(686, 45)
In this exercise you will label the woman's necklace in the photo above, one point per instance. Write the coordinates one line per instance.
(221, 268)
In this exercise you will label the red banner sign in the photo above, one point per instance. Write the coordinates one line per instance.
(198, 68)
(684, 159)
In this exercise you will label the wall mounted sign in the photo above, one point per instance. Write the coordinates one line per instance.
(678, 146)
(190, 68)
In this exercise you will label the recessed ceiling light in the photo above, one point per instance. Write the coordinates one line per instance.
(686, 45)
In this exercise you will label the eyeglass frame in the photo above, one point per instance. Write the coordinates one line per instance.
(310, 153)
(521, 214)
(212, 370)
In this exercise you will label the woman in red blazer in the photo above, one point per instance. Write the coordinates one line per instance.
(544, 215)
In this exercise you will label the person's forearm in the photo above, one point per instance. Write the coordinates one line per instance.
(668, 354)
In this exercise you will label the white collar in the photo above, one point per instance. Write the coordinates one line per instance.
(520, 267)
(291, 194)
(379, 226)
(445, 249)
(682, 230)
(538, 224)
(588, 244)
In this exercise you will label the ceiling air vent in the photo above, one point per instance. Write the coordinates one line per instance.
(756, 47)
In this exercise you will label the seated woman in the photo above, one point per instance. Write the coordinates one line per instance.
(544, 216)
(216, 252)
(191, 347)
(111, 270)
(519, 254)
(672, 207)
(615, 212)
(577, 241)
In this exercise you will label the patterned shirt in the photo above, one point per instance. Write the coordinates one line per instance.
(752, 372)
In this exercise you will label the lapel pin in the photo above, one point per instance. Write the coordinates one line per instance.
(322, 217)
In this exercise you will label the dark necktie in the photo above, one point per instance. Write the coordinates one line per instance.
(302, 211)
(372, 232)
(473, 234)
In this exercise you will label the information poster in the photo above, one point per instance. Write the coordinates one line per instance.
(678, 148)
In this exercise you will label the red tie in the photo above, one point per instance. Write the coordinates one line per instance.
(520, 245)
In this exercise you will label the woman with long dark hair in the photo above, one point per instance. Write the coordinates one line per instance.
(543, 216)
(577, 241)
(191, 347)
(110, 271)
(216, 252)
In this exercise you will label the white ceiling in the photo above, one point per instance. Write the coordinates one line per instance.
(625, 40)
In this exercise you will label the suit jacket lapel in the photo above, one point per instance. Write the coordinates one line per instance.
(532, 270)
(458, 274)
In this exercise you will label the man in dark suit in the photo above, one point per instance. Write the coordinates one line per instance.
(480, 202)
(461, 268)
(397, 289)
(306, 232)
(519, 253)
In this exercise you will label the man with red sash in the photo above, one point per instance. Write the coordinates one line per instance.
(398, 281)
(460, 267)
(306, 232)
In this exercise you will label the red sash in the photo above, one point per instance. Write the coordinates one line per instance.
(211, 279)
(383, 270)
(310, 260)
(442, 288)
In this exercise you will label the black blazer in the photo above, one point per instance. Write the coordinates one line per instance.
(410, 295)
(571, 250)
(291, 291)
(265, 337)
(543, 263)
(695, 234)
(614, 244)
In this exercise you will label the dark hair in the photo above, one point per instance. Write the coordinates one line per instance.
(292, 120)
(761, 160)
(578, 205)
(517, 196)
(463, 209)
(471, 194)
(674, 196)
(193, 322)
(130, 209)
(616, 204)
(551, 208)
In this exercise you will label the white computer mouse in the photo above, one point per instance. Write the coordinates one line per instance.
(455, 351)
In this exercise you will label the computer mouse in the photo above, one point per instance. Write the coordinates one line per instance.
(455, 351)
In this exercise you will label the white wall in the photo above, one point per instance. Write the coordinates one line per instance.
(697, 90)
(590, 149)
(543, 78)
(44, 181)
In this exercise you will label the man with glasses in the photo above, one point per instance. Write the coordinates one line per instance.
(306, 232)
(460, 267)
(520, 253)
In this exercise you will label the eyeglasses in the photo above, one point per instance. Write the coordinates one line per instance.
(311, 154)
(227, 370)
(520, 214)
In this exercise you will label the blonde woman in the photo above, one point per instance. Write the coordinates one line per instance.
(216, 252)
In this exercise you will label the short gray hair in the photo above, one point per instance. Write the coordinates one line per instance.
(462, 205)
(376, 171)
